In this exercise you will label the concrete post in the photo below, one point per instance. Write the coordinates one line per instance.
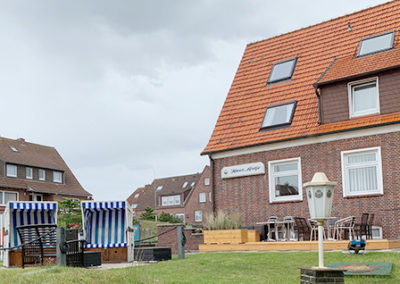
(61, 256)
(181, 248)
(321, 244)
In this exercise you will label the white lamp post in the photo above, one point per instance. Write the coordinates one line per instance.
(320, 195)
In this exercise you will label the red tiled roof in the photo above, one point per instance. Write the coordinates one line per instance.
(146, 199)
(35, 155)
(131, 199)
(315, 47)
(170, 186)
(348, 67)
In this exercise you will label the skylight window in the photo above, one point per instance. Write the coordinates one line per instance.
(193, 183)
(282, 71)
(185, 184)
(376, 44)
(159, 187)
(14, 149)
(136, 195)
(279, 115)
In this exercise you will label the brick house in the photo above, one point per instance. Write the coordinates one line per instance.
(321, 98)
(33, 172)
(187, 197)
(136, 197)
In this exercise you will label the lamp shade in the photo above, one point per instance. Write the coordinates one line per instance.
(319, 196)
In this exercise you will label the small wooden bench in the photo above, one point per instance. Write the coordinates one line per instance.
(38, 243)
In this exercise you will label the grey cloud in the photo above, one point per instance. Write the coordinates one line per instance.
(130, 90)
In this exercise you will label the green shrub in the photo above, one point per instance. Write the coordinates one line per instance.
(222, 221)
(69, 213)
(166, 217)
(149, 214)
(135, 221)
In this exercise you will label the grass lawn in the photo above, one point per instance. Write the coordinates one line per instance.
(263, 267)
(149, 228)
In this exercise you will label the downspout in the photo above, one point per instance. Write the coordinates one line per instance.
(317, 92)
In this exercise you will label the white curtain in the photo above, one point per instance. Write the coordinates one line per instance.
(362, 172)
(363, 179)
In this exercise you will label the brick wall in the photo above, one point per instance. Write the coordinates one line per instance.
(249, 196)
(22, 195)
(170, 239)
(193, 204)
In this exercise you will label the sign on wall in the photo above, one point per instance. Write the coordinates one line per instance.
(243, 170)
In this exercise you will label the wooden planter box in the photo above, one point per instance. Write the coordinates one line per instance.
(253, 236)
(225, 236)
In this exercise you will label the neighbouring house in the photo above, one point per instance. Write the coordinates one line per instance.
(187, 197)
(321, 98)
(135, 198)
(33, 172)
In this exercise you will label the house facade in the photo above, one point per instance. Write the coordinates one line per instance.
(32, 172)
(324, 98)
(187, 197)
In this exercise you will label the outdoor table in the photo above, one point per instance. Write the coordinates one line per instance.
(276, 224)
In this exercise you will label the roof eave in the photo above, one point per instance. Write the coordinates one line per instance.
(209, 153)
(320, 84)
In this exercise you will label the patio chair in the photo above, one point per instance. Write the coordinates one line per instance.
(288, 222)
(344, 228)
(303, 228)
(369, 226)
(361, 229)
(330, 227)
(271, 227)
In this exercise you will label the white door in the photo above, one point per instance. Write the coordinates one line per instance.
(131, 243)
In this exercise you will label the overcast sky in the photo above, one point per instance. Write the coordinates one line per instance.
(129, 91)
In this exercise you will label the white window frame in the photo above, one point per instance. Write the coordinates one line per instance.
(202, 197)
(379, 229)
(207, 181)
(379, 175)
(351, 86)
(136, 195)
(54, 179)
(272, 175)
(44, 174)
(26, 173)
(2, 192)
(35, 195)
(170, 200)
(134, 205)
(196, 216)
(209, 196)
(11, 166)
(180, 216)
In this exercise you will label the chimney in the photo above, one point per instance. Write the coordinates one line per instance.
(22, 140)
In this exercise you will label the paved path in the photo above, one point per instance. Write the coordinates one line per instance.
(119, 265)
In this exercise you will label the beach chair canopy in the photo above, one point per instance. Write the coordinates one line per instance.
(28, 213)
(105, 223)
